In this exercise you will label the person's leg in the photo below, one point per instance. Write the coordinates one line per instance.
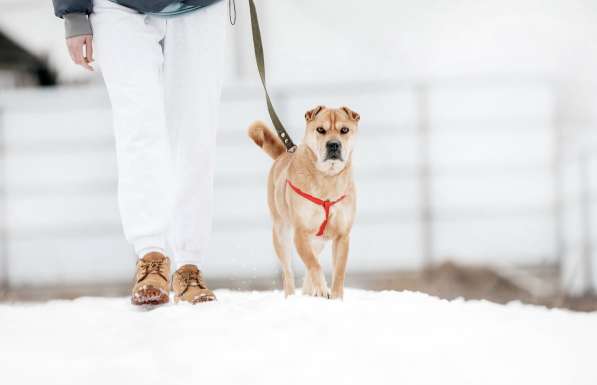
(194, 53)
(129, 54)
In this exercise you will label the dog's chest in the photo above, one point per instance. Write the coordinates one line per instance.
(312, 216)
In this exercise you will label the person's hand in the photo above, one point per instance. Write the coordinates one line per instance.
(80, 49)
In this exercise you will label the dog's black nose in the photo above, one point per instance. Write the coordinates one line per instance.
(333, 148)
(333, 145)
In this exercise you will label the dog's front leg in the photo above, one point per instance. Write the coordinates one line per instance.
(318, 287)
(339, 257)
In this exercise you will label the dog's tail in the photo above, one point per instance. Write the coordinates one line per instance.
(266, 139)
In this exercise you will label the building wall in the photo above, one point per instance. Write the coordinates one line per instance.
(7, 79)
(490, 185)
(579, 209)
(308, 40)
(502, 77)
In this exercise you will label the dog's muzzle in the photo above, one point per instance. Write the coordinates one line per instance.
(333, 150)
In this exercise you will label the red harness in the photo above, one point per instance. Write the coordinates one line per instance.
(326, 204)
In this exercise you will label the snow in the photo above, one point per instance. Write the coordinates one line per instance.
(261, 338)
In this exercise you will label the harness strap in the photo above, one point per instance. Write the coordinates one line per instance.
(258, 46)
(326, 204)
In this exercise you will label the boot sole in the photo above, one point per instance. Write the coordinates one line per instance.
(196, 300)
(150, 296)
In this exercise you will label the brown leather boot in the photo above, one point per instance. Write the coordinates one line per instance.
(188, 285)
(152, 283)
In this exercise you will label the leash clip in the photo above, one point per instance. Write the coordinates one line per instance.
(232, 11)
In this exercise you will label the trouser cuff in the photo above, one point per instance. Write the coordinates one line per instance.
(186, 257)
(148, 244)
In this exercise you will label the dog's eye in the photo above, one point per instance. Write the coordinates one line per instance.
(344, 130)
(321, 130)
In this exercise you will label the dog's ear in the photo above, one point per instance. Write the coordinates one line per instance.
(311, 114)
(351, 114)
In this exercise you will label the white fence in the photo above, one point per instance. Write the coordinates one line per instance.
(444, 170)
(579, 212)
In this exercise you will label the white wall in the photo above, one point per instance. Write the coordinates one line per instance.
(491, 149)
(439, 38)
(7, 79)
(309, 40)
(579, 171)
(503, 73)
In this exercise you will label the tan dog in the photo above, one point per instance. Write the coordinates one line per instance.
(298, 187)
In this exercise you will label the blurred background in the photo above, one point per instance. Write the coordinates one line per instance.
(476, 160)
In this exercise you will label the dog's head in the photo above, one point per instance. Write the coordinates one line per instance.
(329, 135)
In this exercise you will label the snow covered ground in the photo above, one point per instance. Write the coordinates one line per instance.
(260, 338)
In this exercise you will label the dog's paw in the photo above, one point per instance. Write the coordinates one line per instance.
(321, 291)
(338, 294)
(288, 291)
(315, 285)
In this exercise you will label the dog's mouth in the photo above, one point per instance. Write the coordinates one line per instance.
(333, 155)
(332, 163)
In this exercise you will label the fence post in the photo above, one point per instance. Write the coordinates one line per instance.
(558, 185)
(425, 209)
(585, 212)
(4, 280)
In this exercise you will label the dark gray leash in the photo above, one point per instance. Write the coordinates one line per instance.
(258, 45)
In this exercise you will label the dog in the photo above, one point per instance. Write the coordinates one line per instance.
(311, 196)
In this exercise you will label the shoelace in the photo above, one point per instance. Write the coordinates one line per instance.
(152, 267)
(191, 278)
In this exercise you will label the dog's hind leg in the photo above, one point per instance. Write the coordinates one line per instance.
(282, 245)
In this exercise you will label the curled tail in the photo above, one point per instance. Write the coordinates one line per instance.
(266, 139)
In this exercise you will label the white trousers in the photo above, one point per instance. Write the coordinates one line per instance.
(163, 76)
